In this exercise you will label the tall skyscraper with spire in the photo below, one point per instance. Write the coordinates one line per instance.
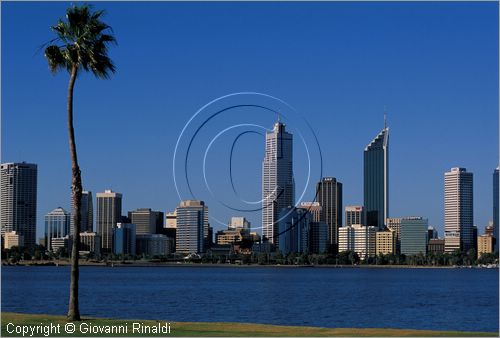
(376, 179)
(278, 186)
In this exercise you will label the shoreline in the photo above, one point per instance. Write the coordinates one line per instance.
(210, 329)
(137, 264)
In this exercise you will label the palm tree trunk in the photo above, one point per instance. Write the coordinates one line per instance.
(76, 195)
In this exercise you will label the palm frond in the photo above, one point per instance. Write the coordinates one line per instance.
(55, 58)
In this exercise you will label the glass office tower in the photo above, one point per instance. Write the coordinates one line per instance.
(376, 180)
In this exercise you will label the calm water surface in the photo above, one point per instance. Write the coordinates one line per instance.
(439, 299)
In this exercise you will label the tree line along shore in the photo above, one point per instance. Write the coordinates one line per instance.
(40, 257)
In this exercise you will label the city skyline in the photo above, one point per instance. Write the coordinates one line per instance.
(418, 122)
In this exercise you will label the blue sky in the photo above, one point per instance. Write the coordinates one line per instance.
(434, 65)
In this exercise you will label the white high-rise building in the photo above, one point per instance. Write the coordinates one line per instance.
(278, 187)
(18, 190)
(192, 226)
(358, 238)
(458, 210)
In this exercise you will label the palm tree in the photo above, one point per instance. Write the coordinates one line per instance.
(80, 45)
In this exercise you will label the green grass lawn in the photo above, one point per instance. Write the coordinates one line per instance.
(214, 329)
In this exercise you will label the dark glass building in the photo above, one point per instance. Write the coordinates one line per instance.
(318, 237)
(124, 239)
(413, 235)
(86, 213)
(376, 179)
(109, 213)
(329, 196)
(147, 221)
(294, 230)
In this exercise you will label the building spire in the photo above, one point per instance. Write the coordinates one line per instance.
(385, 117)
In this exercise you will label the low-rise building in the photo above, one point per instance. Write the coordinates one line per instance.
(414, 235)
(224, 237)
(485, 244)
(435, 246)
(386, 242)
(154, 245)
(12, 238)
(58, 243)
(124, 239)
(263, 247)
(346, 239)
(394, 224)
(90, 242)
(358, 238)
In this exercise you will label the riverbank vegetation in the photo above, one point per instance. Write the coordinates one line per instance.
(40, 256)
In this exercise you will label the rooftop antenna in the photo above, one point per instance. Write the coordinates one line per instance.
(278, 116)
(385, 117)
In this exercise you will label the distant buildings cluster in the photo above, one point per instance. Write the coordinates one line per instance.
(309, 227)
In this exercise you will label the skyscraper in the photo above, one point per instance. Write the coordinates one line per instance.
(495, 208)
(458, 210)
(57, 224)
(278, 187)
(329, 195)
(109, 212)
(192, 226)
(18, 190)
(376, 179)
(86, 213)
